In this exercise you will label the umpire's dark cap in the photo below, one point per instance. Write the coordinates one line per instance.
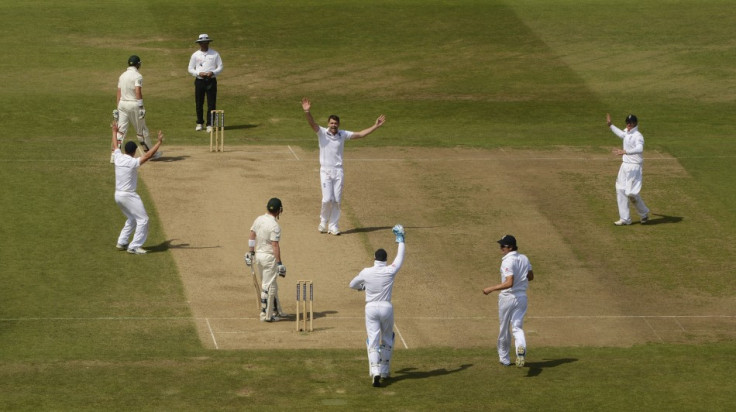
(507, 240)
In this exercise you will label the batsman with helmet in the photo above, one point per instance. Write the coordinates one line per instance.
(264, 251)
(130, 109)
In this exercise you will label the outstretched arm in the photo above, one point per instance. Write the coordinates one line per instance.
(115, 143)
(365, 132)
(149, 154)
(306, 106)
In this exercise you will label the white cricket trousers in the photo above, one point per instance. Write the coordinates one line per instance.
(379, 324)
(628, 186)
(511, 312)
(128, 112)
(132, 206)
(331, 181)
(268, 267)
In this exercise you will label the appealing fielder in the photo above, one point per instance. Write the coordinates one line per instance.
(378, 283)
(331, 146)
(205, 65)
(126, 182)
(264, 250)
(130, 109)
(516, 272)
(628, 182)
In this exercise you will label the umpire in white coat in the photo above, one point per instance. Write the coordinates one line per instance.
(378, 283)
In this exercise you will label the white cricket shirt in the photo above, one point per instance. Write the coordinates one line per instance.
(267, 230)
(128, 81)
(378, 280)
(517, 265)
(331, 147)
(126, 171)
(633, 144)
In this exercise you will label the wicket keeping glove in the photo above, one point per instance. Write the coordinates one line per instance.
(282, 270)
(116, 114)
(141, 113)
(399, 232)
(249, 258)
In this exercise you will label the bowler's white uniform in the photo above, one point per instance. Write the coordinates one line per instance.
(267, 230)
(331, 175)
(628, 182)
(378, 282)
(512, 304)
(126, 182)
(128, 107)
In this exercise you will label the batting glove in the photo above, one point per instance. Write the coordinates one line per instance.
(282, 270)
(249, 258)
(399, 232)
(141, 113)
(116, 114)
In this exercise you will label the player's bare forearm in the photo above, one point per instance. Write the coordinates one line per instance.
(114, 128)
(530, 275)
(307, 106)
(276, 251)
(363, 133)
(149, 154)
(509, 282)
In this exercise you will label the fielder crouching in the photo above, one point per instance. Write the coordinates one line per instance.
(378, 282)
(264, 251)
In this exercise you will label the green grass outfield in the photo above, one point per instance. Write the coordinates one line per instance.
(80, 330)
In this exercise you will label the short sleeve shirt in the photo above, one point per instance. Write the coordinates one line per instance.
(517, 265)
(331, 147)
(128, 81)
(267, 230)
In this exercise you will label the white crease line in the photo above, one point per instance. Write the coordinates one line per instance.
(292, 152)
(212, 333)
(183, 318)
(396, 326)
(654, 331)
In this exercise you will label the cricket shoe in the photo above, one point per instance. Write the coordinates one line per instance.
(644, 219)
(377, 381)
(137, 251)
(121, 247)
(520, 356)
(157, 155)
(209, 129)
(322, 228)
(504, 363)
(334, 232)
(198, 128)
(622, 222)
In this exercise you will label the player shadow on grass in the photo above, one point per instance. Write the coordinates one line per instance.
(660, 219)
(412, 373)
(241, 126)
(169, 244)
(376, 228)
(168, 159)
(536, 368)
